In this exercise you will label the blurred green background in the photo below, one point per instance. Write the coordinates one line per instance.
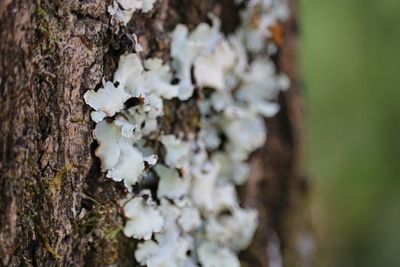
(351, 70)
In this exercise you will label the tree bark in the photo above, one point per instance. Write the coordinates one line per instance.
(56, 207)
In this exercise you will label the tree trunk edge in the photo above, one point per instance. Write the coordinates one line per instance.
(50, 55)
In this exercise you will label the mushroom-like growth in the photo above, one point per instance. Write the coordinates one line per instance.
(234, 231)
(144, 218)
(177, 151)
(185, 48)
(189, 219)
(129, 75)
(212, 255)
(122, 10)
(109, 99)
(108, 135)
(171, 246)
(210, 70)
(171, 185)
(245, 134)
(129, 167)
(158, 79)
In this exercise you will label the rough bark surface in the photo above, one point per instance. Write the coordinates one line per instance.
(56, 207)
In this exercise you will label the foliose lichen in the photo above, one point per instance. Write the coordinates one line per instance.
(122, 10)
(195, 216)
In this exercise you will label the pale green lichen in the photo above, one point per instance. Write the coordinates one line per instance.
(198, 219)
(122, 10)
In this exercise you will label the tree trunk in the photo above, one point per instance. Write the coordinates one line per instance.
(56, 207)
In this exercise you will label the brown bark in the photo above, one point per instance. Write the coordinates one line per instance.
(56, 207)
(278, 186)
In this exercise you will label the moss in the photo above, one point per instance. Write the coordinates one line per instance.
(41, 12)
(25, 218)
(80, 121)
(54, 184)
(102, 225)
(50, 249)
(32, 165)
(50, 28)
(126, 246)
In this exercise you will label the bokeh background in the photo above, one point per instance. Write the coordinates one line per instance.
(351, 68)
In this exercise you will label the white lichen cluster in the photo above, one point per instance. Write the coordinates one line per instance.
(122, 10)
(194, 217)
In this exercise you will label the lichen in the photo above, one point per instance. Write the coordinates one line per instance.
(194, 216)
(144, 218)
(122, 10)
